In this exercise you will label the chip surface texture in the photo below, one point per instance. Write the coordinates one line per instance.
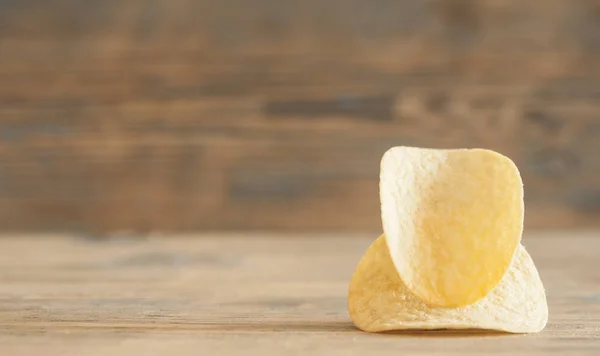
(450, 255)
(453, 220)
(379, 301)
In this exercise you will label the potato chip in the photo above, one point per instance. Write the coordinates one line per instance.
(453, 220)
(379, 301)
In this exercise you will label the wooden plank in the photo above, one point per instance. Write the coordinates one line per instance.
(250, 294)
(181, 115)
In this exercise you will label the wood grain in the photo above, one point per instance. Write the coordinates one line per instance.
(261, 294)
(185, 115)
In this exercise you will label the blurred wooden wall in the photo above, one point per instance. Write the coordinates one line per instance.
(273, 114)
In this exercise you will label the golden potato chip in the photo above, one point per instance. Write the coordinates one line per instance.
(453, 220)
(378, 300)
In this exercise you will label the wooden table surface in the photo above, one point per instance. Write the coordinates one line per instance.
(251, 295)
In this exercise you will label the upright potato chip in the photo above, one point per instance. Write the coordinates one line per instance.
(378, 300)
(453, 220)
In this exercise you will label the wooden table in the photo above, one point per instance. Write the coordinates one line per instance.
(250, 295)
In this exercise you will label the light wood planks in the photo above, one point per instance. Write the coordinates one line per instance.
(242, 294)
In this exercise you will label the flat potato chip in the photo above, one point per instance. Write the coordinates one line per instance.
(452, 219)
(379, 300)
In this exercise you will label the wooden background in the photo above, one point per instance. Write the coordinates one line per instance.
(273, 114)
